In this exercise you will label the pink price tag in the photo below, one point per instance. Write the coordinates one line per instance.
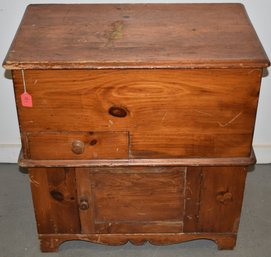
(26, 100)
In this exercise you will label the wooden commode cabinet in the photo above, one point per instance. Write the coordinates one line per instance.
(136, 120)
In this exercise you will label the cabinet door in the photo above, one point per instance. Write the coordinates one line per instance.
(131, 200)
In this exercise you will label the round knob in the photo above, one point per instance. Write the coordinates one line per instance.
(78, 147)
(83, 204)
(117, 112)
(224, 197)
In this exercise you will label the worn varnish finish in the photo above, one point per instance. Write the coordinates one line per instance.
(212, 197)
(156, 195)
(144, 36)
(193, 187)
(142, 120)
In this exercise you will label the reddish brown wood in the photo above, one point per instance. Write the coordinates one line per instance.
(192, 198)
(129, 36)
(50, 243)
(139, 227)
(54, 198)
(84, 184)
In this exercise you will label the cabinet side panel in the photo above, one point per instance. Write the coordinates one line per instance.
(54, 199)
(221, 199)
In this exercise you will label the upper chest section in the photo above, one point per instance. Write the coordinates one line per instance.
(136, 81)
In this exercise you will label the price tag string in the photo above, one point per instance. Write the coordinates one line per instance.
(23, 81)
(26, 98)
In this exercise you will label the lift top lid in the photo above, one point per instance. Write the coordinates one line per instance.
(100, 36)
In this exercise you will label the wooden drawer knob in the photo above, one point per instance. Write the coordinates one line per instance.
(83, 204)
(78, 147)
(119, 112)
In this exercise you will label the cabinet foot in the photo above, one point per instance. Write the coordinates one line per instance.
(226, 243)
(50, 244)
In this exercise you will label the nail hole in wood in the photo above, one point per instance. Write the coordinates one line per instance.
(93, 142)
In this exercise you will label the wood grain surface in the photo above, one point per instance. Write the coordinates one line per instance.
(84, 185)
(169, 113)
(139, 196)
(135, 35)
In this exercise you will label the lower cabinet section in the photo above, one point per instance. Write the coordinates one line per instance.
(137, 204)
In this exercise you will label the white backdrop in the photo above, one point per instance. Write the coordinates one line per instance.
(11, 12)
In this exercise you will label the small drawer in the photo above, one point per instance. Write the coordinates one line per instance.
(77, 145)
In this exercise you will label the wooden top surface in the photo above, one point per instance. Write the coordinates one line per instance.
(135, 36)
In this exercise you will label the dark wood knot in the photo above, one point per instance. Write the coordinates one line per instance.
(93, 142)
(58, 196)
(119, 112)
(224, 197)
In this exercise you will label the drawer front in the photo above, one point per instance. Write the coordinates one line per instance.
(168, 113)
(77, 145)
